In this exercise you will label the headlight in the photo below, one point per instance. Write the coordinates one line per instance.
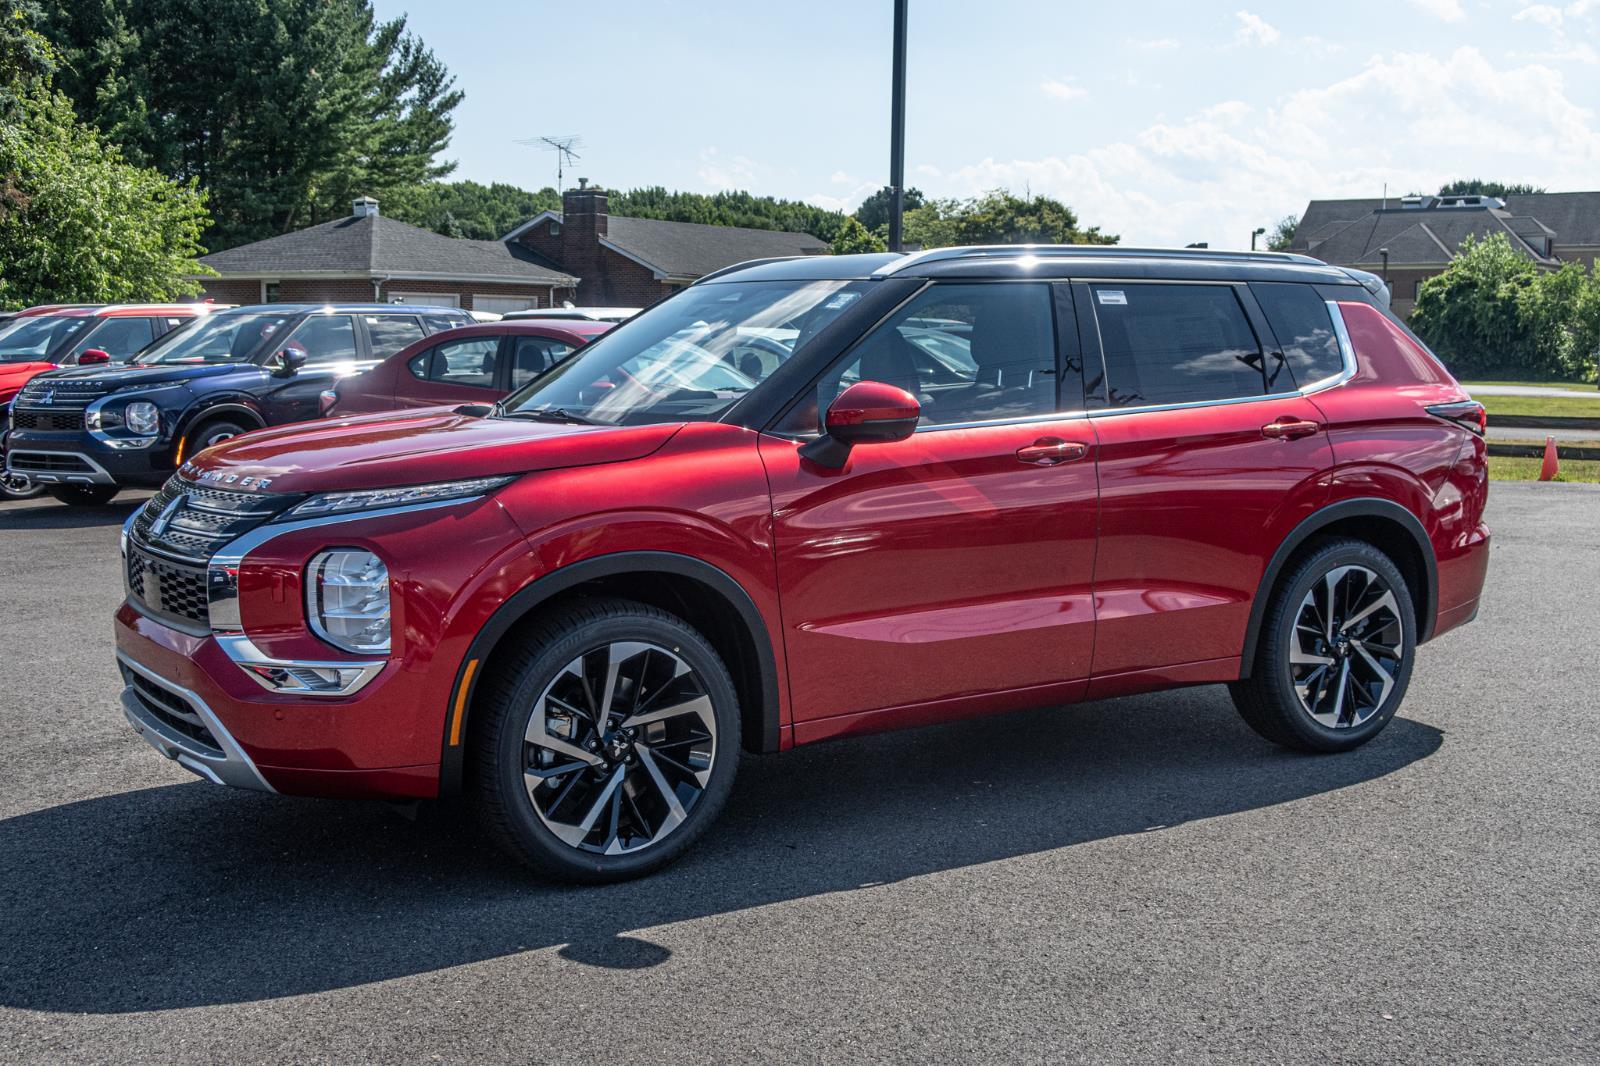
(347, 600)
(142, 418)
(370, 499)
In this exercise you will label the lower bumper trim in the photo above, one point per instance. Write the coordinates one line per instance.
(226, 764)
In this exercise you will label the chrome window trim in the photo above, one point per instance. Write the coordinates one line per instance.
(1020, 420)
(243, 653)
(234, 768)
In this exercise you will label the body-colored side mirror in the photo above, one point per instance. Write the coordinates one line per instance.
(868, 412)
(93, 357)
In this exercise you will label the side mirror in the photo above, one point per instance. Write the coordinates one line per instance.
(868, 412)
(93, 357)
(290, 360)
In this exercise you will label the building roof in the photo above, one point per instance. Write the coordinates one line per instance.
(1351, 231)
(691, 249)
(374, 246)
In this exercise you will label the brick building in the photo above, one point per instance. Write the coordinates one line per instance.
(632, 262)
(366, 257)
(1411, 238)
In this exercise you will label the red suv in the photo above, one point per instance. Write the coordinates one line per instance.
(470, 364)
(811, 498)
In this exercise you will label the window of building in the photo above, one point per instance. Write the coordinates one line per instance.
(325, 339)
(969, 353)
(269, 292)
(470, 361)
(535, 355)
(1300, 320)
(1165, 344)
(387, 334)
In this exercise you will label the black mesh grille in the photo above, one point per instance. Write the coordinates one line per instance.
(166, 588)
(190, 521)
(49, 463)
(47, 420)
(172, 709)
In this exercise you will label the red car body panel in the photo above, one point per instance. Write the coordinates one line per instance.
(390, 385)
(929, 578)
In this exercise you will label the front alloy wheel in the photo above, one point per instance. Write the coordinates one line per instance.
(605, 743)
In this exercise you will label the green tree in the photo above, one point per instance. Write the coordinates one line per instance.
(733, 208)
(1282, 234)
(1493, 310)
(853, 238)
(77, 222)
(1479, 187)
(998, 217)
(468, 208)
(874, 210)
(284, 110)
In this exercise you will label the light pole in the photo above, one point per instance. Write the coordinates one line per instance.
(1383, 253)
(1259, 230)
(897, 129)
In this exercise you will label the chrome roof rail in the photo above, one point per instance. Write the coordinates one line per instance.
(1084, 251)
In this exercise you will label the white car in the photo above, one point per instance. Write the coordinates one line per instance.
(593, 314)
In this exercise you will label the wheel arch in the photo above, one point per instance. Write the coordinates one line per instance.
(1382, 523)
(700, 593)
(204, 411)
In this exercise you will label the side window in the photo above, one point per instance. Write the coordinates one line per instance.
(117, 337)
(1300, 320)
(969, 353)
(470, 361)
(535, 355)
(439, 323)
(326, 339)
(389, 333)
(1167, 344)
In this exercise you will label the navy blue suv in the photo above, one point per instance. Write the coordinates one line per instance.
(85, 433)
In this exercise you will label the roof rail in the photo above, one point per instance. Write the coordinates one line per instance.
(1082, 251)
(745, 265)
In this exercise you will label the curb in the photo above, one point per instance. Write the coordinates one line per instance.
(1536, 451)
(1542, 422)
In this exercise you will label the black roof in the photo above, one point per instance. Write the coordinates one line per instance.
(692, 249)
(376, 246)
(1351, 231)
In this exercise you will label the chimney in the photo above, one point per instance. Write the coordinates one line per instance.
(583, 212)
(365, 207)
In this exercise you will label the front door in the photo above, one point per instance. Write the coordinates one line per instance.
(948, 573)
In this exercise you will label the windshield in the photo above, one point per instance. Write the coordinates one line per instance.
(31, 340)
(217, 339)
(689, 358)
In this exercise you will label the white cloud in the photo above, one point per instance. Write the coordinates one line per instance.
(1543, 14)
(1060, 90)
(726, 172)
(1409, 119)
(1564, 46)
(1253, 29)
(1449, 10)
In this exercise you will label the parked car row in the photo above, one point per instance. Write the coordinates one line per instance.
(797, 500)
(85, 421)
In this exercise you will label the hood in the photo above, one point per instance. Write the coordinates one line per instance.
(417, 447)
(130, 374)
(15, 375)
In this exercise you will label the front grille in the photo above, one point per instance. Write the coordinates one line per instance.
(45, 391)
(189, 522)
(49, 463)
(173, 710)
(49, 421)
(167, 589)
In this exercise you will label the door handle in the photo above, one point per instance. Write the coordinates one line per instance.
(1050, 451)
(1289, 428)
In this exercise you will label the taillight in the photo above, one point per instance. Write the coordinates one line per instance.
(1468, 414)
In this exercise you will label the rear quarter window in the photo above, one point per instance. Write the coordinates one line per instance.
(1300, 320)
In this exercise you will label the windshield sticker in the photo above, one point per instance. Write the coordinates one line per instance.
(1112, 296)
(842, 299)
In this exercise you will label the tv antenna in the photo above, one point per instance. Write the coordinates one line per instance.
(562, 145)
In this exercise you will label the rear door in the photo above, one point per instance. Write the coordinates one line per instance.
(948, 573)
(119, 336)
(1208, 456)
(462, 370)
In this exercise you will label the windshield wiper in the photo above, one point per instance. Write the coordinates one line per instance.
(549, 414)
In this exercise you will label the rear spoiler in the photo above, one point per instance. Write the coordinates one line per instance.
(1371, 282)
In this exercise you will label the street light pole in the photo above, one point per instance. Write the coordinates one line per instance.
(897, 130)
(1259, 230)
(1384, 253)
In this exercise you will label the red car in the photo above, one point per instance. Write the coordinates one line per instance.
(51, 336)
(468, 364)
(812, 498)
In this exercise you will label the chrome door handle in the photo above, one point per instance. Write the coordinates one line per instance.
(1051, 451)
(1289, 428)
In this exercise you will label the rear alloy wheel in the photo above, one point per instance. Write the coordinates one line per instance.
(83, 495)
(1336, 651)
(610, 746)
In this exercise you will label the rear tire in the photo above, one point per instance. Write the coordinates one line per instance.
(605, 743)
(83, 495)
(1335, 651)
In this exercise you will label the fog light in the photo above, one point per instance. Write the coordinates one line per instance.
(347, 600)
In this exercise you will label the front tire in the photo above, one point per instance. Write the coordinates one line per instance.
(213, 433)
(19, 487)
(605, 744)
(1335, 654)
(83, 495)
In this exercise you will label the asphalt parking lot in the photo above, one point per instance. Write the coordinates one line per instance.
(1131, 880)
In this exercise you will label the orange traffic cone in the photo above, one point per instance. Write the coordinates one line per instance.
(1551, 467)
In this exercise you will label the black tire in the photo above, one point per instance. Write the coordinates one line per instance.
(1344, 677)
(209, 434)
(83, 495)
(19, 487)
(501, 751)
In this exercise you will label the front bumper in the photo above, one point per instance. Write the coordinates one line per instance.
(181, 726)
(79, 458)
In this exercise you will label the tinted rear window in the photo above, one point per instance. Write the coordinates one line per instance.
(1167, 344)
(1300, 319)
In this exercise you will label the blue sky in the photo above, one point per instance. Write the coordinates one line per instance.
(1163, 122)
